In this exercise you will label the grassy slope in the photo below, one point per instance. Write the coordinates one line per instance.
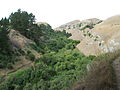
(101, 75)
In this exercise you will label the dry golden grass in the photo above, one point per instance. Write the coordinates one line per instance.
(101, 75)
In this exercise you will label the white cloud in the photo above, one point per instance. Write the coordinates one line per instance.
(57, 12)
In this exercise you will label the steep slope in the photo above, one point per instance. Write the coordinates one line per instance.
(116, 66)
(103, 74)
(21, 45)
(21, 42)
(96, 37)
(107, 33)
(81, 30)
(76, 27)
(57, 69)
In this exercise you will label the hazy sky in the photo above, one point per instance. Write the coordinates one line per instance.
(57, 12)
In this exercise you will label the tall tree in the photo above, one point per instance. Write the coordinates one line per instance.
(21, 20)
(4, 42)
(4, 23)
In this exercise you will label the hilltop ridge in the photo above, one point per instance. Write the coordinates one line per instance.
(97, 36)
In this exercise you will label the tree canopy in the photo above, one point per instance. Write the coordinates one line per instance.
(21, 20)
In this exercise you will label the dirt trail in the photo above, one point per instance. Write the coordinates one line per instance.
(116, 67)
(23, 64)
(22, 67)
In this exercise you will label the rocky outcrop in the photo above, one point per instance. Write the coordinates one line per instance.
(18, 40)
(21, 42)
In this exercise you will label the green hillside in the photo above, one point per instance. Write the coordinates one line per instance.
(60, 65)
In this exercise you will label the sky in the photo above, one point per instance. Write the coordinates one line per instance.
(58, 12)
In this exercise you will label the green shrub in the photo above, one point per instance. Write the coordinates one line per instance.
(9, 66)
(2, 65)
(31, 56)
(53, 71)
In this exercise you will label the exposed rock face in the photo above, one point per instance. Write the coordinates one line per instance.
(21, 42)
(44, 25)
(102, 38)
(18, 40)
(40, 23)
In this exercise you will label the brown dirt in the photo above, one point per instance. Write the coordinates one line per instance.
(76, 34)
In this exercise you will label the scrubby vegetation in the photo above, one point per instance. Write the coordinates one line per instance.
(7, 56)
(41, 34)
(60, 65)
(101, 74)
(53, 71)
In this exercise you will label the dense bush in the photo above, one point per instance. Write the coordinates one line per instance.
(31, 56)
(9, 66)
(42, 35)
(53, 71)
(51, 40)
(6, 61)
(60, 66)
(7, 55)
(21, 21)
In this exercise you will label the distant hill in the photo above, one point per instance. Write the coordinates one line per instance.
(79, 25)
(101, 37)
(33, 56)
